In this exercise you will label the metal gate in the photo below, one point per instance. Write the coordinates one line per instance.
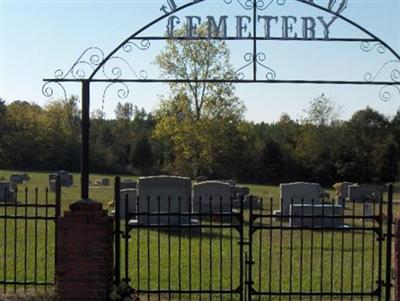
(172, 253)
(306, 254)
(252, 253)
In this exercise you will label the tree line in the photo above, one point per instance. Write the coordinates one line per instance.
(218, 143)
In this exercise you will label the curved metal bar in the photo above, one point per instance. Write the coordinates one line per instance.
(249, 59)
(48, 91)
(260, 58)
(122, 92)
(367, 32)
(367, 46)
(394, 74)
(280, 2)
(385, 93)
(139, 32)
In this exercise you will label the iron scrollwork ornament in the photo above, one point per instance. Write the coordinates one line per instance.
(48, 90)
(367, 46)
(259, 59)
(113, 69)
(386, 92)
(260, 4)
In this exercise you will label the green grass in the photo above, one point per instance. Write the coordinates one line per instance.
(345, 260)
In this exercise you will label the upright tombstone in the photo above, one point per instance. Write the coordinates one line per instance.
(105, 182)
(66, 180)
(316, 215)
(19, 178)
(298, 193)
(241, 192)
(131, 195)
(363, 193)
(52, 185)
(212, 195)
(368, 209)
(6, 192)
(165, 194)
(252, 201)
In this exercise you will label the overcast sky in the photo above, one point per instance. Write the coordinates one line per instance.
(39, 37)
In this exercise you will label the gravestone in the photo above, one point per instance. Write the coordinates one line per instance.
(316, 216)
(177, 189)
(212, 195)
(105, 182)
(102, 182)
(253, 200)
(299, 192)
(241, 192)
(364, 192)
(368, 209)
(132, 202)
(19, 178)
(52, 185)
(66, 180)
(6, 193)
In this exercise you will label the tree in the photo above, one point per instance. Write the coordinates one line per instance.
(142, 155)
(366, 130)
(198, 116)
(322, 111)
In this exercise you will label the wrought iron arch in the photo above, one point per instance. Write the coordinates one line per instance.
(97, 62)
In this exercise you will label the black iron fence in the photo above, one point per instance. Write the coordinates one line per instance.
(315, 251)
(327, 254)
(29, 239)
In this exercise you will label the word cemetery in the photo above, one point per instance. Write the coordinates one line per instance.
(289, 27)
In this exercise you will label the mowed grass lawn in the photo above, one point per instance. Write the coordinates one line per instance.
(284, 260)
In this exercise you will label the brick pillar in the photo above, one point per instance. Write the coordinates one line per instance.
(84, 253)
(397, 259)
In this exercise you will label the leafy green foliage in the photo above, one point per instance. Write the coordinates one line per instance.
(362, 149)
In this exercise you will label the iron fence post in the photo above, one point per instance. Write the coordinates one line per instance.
(58, 214)
(85, 139)
(117, 231)
(241, 242)
(388, 281)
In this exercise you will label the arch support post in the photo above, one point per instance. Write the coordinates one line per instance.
(85, 124)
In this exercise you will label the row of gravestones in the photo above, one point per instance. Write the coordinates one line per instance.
(358, 193)
(66, 179)
(8, 188)
(176, 196)
(302, 203)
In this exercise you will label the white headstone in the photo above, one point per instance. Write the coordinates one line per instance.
(166, 194)
(299, 192)
(212, 195)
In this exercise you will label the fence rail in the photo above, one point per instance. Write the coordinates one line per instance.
(29, 239)
(254, 253)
